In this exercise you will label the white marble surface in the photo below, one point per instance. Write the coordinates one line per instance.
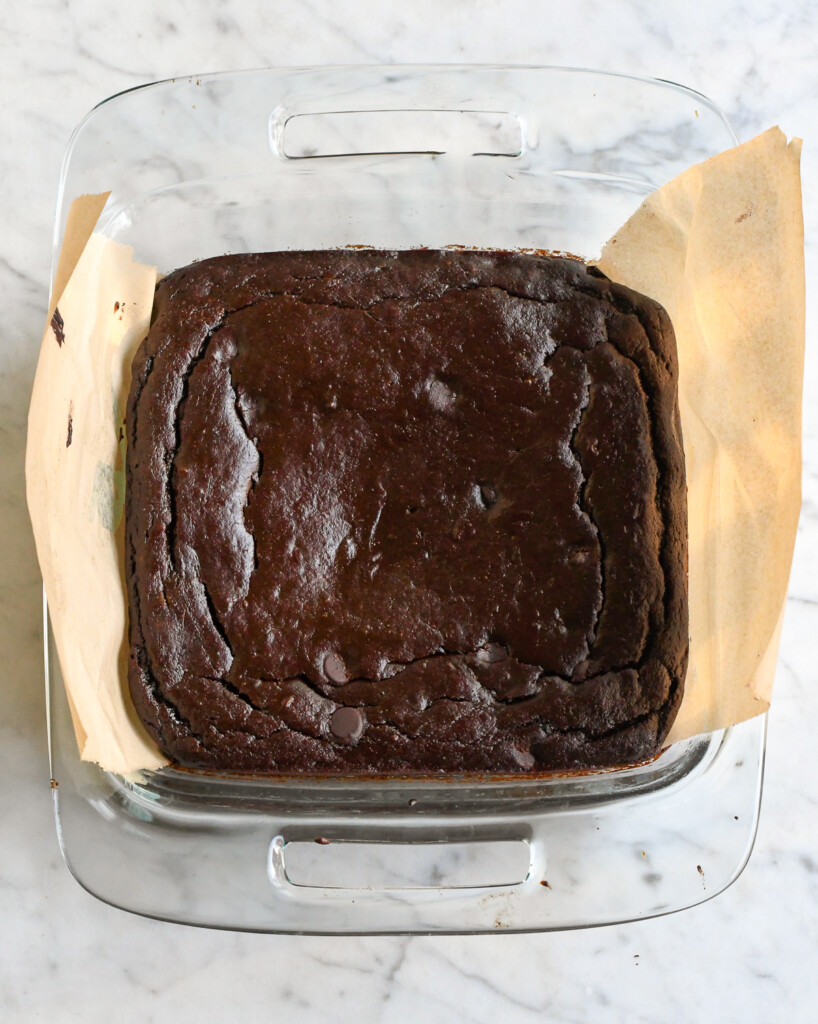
(750, 954)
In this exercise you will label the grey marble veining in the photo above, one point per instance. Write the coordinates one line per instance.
(749, 955)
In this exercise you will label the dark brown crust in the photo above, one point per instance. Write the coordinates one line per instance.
(444, 488)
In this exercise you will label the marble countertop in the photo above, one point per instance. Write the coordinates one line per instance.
(747, 955)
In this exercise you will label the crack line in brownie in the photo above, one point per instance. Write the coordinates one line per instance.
(140, 648)
(256, 476)
(586, 510)
(178, 412)
(170, 532)
(549, 729)
(660, 518)
(334, 692)
(305, 680)
(659, 492)
(214, 616)
(659, 497)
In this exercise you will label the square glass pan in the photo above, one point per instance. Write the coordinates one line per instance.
(395, 157)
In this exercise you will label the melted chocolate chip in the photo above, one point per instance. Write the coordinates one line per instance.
(441, 396)
(579, 555)
(58, 327)
(347, 725)
(335, 670)
(492, 653)
(488, 494)
(524, 758)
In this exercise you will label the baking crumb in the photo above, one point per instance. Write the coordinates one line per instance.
(54, 784)
(321, 840)
(116, 306)
(412, 802)
(546, 884)
(58, 327)
(644, 855)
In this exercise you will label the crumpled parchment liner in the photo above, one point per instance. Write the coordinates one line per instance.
(720, 246)
(75, 479)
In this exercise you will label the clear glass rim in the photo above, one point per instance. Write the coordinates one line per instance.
(706, 897)
(418, 69)
(408, 68)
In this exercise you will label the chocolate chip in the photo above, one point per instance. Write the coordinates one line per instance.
(524, 758)
(58, 327)
(225, 350)
(441, 396)
(488, 494)
(335, 670)
(347, 725)
(492, 653)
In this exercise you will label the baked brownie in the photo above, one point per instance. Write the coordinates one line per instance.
(396, 512)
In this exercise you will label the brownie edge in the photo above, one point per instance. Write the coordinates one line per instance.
(395, 512)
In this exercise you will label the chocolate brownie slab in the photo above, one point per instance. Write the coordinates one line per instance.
(405, 512)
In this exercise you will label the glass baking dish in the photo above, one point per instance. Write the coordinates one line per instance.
(395, 157)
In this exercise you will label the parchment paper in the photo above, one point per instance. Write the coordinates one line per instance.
(721, 247)
(75, 479)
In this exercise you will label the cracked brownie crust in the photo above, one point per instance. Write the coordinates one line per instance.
(405, 512)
